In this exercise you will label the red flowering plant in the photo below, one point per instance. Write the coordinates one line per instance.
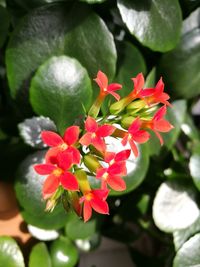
(83, 152)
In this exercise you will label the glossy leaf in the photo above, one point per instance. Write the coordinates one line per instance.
(174, 207)
(57, 33)
(42, 234)
(63, 253)
(75, 228)
(130, 62)
(4, 24)
(93, 1)
(176, 116)
(194, 166)
(189, 254)
(30, 130)
(39, 256)
(180, 67)
(28, 189)
(60, 89)
(147, 19)
(10, 254)
(136, 167)
(181, 236)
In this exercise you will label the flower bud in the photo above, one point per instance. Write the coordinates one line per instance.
(91, 163)
(127, 121)
(84, 185)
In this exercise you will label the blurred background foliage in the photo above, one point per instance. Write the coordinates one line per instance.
(49, 53)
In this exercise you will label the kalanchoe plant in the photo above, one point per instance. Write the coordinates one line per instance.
(82, 152)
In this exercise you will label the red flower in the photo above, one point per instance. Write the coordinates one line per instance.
(117, 168)
(138, 85)
(60, 144)
(57, 175)
(158, 124)
(106, 89)
(134, 134)
(94, 199)
(112, 176)
(156, 95)
(95, 134)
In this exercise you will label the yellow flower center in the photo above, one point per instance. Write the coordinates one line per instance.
(63, 146)
(89, 196)
(57, 172)
(129, 136)
(93, 135)
(105, 176)
(105, 89)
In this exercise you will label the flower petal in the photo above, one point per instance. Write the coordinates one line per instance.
(100, 173)
(44, 169)
(162, 126)
(135, 126)
(141, 136)
(51, 138)
(116, 183)
(102, 194)
(71, 135)
(123, 155)
(99, 205)
(50, 185)
(65, 160)
(69, 182)
(109, 156)
(159, 137)
(51, 155)
(101, 80)
(134, 148)
(116, 96)
(105, 130)
(87, 211)
(160, 113)
(86, 139)
(114, 87)
(99, 144)
(125, 139)
(76, 157)
(138, 82)
(117, 168)
(91, 125)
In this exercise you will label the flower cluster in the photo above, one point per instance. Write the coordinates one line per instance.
(82, 153)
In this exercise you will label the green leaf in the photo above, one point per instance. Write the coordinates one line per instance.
(4, 25)
(30, 130)
(189, 254)
(176, 116)
(147, 19)
(181, 236)
(42, 234)
(29, 4)
(60, 89)
(90, 244)
(174, 207)
(56, 32)
(151, 79)
(136, 167)
(180, 67)
(93, 1)
(63, 253)
(194, 167)
(75, 228)
(130, 62)
(28, 187)
(10, 254)
(40, 256)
